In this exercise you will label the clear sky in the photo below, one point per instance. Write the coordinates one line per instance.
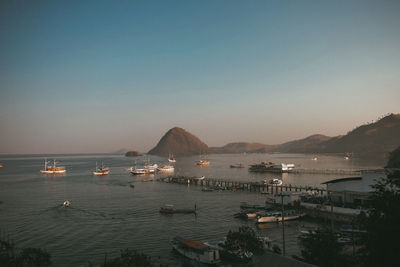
(96, 76)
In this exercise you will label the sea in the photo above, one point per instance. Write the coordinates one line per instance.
(107, 215)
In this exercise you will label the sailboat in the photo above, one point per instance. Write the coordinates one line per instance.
(52, 169)
(171, 158)
(101, 170)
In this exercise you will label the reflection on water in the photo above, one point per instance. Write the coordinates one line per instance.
(107, 214)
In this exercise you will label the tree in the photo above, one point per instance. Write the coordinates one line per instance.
(245, 239)
(33, 257)
(382, 242)
(129, 258)
(322, 249)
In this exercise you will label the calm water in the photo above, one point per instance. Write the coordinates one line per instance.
(107, 215)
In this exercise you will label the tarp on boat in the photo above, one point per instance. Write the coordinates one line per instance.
(194, 244)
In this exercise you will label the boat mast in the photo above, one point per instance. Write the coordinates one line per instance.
(45, 163)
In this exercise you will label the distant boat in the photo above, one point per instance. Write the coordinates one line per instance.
(171, 158)
(239, 165)
(140, 171)
(202, 163)
(346, 158)
(196, 250)
(198, 178)
(170, 209)
(314, 158)
(101, 170)
(271, 167)
(277, 217)
(151, 167)
(166, 168)
(52, 169)
(273, 182)
(66, 203)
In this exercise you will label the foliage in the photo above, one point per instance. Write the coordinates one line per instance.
(321, 248)
(245, 239)
(129, 258)
(28, 257)
(382, 243)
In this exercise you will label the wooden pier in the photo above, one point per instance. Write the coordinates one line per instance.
(225, 184)
(327, 171)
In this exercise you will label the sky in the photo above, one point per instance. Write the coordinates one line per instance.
(98, 76)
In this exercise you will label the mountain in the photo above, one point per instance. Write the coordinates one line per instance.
(379, 137)
(312, 144)
(241, 147)
(180, 143)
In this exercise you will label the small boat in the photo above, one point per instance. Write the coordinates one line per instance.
(277, 217)
(1, 165)
(207, 189)
(273, 182)
(246, 214)
(166, 168)
(202, 162)
(196, 250)
(66, 203)
(52, 169)
(151, 167)
(139, 171)
(346, 158)
(272, 167)
(314, 158)
(101, 170)
(238, 165)
(198, 178)
(171, 158)
(170, 209)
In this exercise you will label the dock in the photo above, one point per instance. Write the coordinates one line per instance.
(233, 185)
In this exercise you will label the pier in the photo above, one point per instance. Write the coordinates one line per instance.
(327, 171)
(226, 184)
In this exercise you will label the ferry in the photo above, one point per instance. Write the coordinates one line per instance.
(171, 158)
(52, 169)
(101, 170)
(202, 163)
(196, 250)
(271, 167)
(166, 168)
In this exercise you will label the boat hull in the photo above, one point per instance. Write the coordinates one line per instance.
(52, 172)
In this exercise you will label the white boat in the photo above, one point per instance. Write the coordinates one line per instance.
(151, 167)
(314, 158)
(196, 250)
(101, 170)
(273, 182)
(140, 171)
(52, 169)
(166, 168)
(198, 178)
(277, 217)
(171, 158)
(66, 203)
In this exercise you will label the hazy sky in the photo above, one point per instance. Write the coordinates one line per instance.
(94, 76)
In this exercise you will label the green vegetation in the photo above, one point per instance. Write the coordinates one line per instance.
(245, 240)
(129, 258)
(28, 257)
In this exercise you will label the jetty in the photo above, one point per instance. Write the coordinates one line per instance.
(234, 185)
(326, 171)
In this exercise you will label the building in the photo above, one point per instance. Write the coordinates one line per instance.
(354, 190)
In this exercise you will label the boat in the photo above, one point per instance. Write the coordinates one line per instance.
(277, 217)
(101, 170)
(66, 203)
(52, 169)
(207, 189)
(151, 167)
(271, 167)
(196, 250)
(166, 168)
(246, 214)
(170, 209)
(198, 178)
(273, 182)
(202, 162)
(237, 255)
(1, 165)
(238, 165)
(171, 158)
(314, 158)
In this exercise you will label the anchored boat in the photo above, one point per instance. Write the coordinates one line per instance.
(101, 170)
(196, 250)
(277, 217)
(52, 169)
(166, 168)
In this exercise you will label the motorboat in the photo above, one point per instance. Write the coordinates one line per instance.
(101, 170)
(196, 250)
(66, 203)
(166, 168)
(52, 169)
(273, 182)
(202, 162)
(140, 171)
(277, 217)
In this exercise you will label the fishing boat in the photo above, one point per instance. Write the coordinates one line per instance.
(166, 168)
(196, 250)
(277, 217)
(170, 209)
(238, 165)
(171, 158)
(273, 182)
(202, 162)
(66, 203)
(141, 171)
(101, 170)
(52, 169)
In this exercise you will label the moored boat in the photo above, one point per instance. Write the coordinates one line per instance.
(238, 165)
(101, 170)
(271, 167)
(166, 168)
(273, 182)
(202, 162)
(277, 217)
(196, 250)
(171, 158)
(52, 169)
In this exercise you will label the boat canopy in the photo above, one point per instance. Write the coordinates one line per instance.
(194, 244)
